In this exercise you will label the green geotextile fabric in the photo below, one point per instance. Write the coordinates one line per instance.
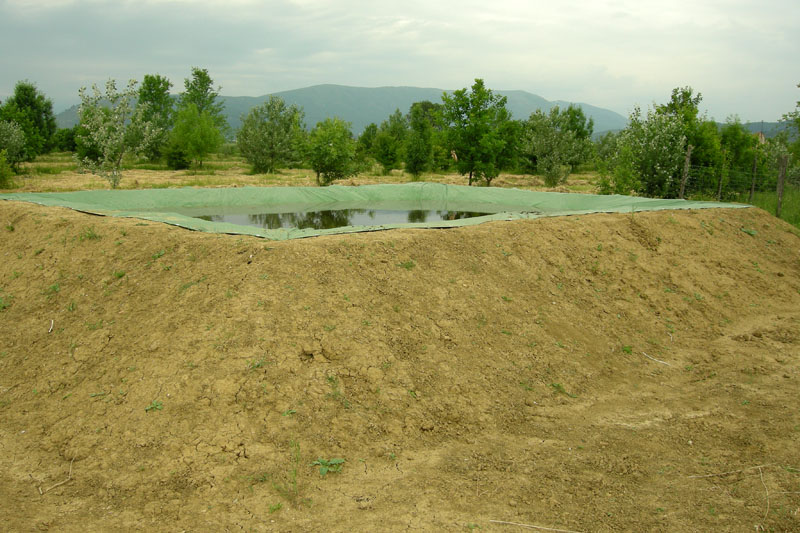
(173, 206)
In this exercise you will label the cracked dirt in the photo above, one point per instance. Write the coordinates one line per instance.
(593, 373)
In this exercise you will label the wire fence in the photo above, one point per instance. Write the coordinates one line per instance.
(758, 187)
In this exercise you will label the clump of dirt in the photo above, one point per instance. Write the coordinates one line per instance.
(593, 373)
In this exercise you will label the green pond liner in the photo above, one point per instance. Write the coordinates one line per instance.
(174, 206)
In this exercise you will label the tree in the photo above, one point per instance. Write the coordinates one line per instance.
(331, 150)
(154, 92)
(738, 143)
(700, 132)
(793, 118)
(270, 135)
(195, 134)
(475, 123)
(387, 147)
(367, 138)
(64, 139)
(199, 91)
(419, 144)
(555, 142)
(33, 112)
(113, 128)
(12, 142)
(650, 155)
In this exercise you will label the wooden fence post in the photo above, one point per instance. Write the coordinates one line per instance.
(723, 174)
(685, 171)
(753, 185)
(781, 177)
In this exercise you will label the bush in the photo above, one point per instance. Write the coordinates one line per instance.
(12, 142)
(6, 172)
(176, 156)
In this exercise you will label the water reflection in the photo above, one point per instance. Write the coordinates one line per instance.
(337, 218)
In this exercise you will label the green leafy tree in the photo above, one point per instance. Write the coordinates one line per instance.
(64, 139)
(419, 143)
(367, 138)
(738, 143)
(793, 117)
(113, 128)
(574, 120)
(700, 132)
(388, 145)
(194, 135)
(33, 112)
(364, 159)
(154, 92)
(554, 142)
(331, 150)
(199, 90)
(477, 135)
(271, 135)
(12, 142)
(657, 147)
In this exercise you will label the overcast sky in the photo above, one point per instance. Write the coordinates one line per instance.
(743, 56)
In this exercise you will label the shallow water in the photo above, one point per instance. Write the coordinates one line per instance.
(336, 219)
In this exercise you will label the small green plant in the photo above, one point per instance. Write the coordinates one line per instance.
(10, 227)
(558, 387)
(119, 274)
(155, 405)
(627, 349)
(275, 507)
(71, 307)
(158, 254)
(5, 302)
(252, 365)
(336, 392)
(288, 489)
(88, 234)
(288, 412)
(750, 232)
(328, 465)
(408, 265)
(506, 299)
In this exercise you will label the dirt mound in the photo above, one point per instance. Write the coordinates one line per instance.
(594, 373)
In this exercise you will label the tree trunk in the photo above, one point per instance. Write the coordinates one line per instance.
(685, 171)
(784, 162)
(753, 184)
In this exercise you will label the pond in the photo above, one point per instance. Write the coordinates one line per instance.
(330, 219)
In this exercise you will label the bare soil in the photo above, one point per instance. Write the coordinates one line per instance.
(592, 373)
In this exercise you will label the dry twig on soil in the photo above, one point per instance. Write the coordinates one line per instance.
(69, 478)
(656, 360)
(533, 527)
(758, 467)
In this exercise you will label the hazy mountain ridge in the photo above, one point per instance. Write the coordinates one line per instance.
(362, 105)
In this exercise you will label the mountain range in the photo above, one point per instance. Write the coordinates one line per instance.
(362, 105)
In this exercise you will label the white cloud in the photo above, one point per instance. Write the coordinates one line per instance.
(614, 53)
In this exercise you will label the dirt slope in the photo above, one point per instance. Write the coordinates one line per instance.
(580, 373)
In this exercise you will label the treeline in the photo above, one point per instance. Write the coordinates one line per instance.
(470, 132)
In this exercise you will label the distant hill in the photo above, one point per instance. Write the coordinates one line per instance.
(361, 105)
